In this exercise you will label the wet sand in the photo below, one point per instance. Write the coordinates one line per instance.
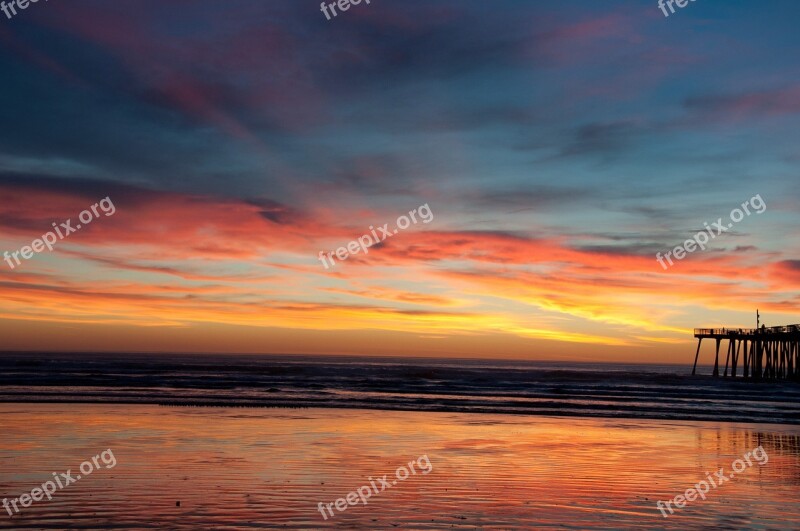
(240, 468)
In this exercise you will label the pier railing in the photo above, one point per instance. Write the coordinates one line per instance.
(787, 329)
(724, 331)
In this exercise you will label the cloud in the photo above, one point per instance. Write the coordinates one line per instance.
(533, 197)
(776, 102)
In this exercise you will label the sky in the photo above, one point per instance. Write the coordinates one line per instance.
(558, 147)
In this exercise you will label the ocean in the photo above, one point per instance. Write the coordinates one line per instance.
(513, 387)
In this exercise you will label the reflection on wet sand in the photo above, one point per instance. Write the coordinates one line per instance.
(241, 468)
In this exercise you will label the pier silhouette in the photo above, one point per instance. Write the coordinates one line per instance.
(769, 353)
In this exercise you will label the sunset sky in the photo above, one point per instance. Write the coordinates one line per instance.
(559, 145)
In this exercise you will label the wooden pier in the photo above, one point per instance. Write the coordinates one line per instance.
(765, 353)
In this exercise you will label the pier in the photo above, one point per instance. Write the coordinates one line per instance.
(765, 353)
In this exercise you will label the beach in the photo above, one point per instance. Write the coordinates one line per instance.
(275, 442)
(247, 468)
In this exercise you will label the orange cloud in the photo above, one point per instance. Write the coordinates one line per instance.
(175, 260)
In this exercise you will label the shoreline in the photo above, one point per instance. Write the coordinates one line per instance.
(548, 413)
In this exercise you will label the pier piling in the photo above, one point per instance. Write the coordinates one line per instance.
(769, 353)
